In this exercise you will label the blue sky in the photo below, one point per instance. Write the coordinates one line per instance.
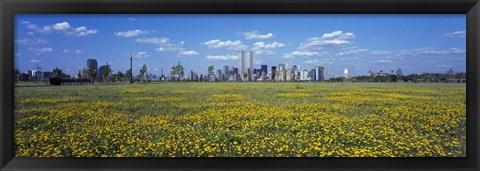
(361, 43)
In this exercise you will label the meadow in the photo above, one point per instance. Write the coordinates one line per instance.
(260, 119)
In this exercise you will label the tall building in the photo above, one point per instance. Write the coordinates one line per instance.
(226, 73)
(236, 74)
(241, 62)
(92, 64)
(320, 73)
(219, 75)
(323, 73)
(312, 73)
(192, 76)
(288, 75)
(264, 69)
(250, 65)
(245, 63)
(100, 70)
(273, 74)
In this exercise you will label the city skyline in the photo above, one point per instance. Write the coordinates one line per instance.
(361, 43)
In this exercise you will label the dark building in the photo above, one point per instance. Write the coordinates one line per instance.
(264, 68)
(100, 70)
(274, 70)
(92, 64)
(236, 75)
(47, 74)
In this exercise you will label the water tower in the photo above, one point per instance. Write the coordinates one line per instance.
(345, 72)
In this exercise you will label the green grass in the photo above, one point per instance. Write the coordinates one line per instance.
(300, 119)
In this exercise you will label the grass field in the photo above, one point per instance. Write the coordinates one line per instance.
(241, 119)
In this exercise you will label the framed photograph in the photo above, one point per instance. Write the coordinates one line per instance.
(228, 85)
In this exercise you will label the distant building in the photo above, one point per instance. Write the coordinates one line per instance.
(219, 75)
(47, 74)
(192, 76)
(241, 62)
(264, 68)
(312, 74)
(226, 73)
(245, 63)
(273, 73)
(288, 75)
(100, 70)
(250, 65)
(92, 64)
(236, 74)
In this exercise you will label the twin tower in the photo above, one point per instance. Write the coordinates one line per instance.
(248, 56)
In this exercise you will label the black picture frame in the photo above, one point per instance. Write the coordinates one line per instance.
(9, 8)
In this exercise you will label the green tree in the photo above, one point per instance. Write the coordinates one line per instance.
(450, 72)
(58, 72)
(210, 70)
(399, 74)
(106, 71)
(128, 74)
(120, 75)
(177, 71)
(180, 70)
(143, 71)
(92, 73)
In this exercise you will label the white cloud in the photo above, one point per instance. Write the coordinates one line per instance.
(131, 33)
(169, 48)
(383, 61)
(153, 40)
(222, 57)
(257, 35)
(61, 26)
(78, 51)
(230, 45)
(142, 54)
(40, 51)
(34, 61)
(65, 51)
(338, 35)
(31, 42)
(296, 54)
(30, 33)
(18, 54)
(131, 19)
(80, 31)
(263, 45)
(318, 62)
(265, 48)
(434, 51)
(352, 51)
(375, 52)
(333, 38)
(456, 34)
(188, 53)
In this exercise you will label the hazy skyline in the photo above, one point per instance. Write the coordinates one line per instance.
(415, 43)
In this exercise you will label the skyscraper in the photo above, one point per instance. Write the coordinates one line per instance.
(92, 64)
(219, 75)
(264, 69)
(241, 62)
(242, 56)
(273, 74)
(250, 65)
(100, 70)
(225, 73)
(236, 75)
